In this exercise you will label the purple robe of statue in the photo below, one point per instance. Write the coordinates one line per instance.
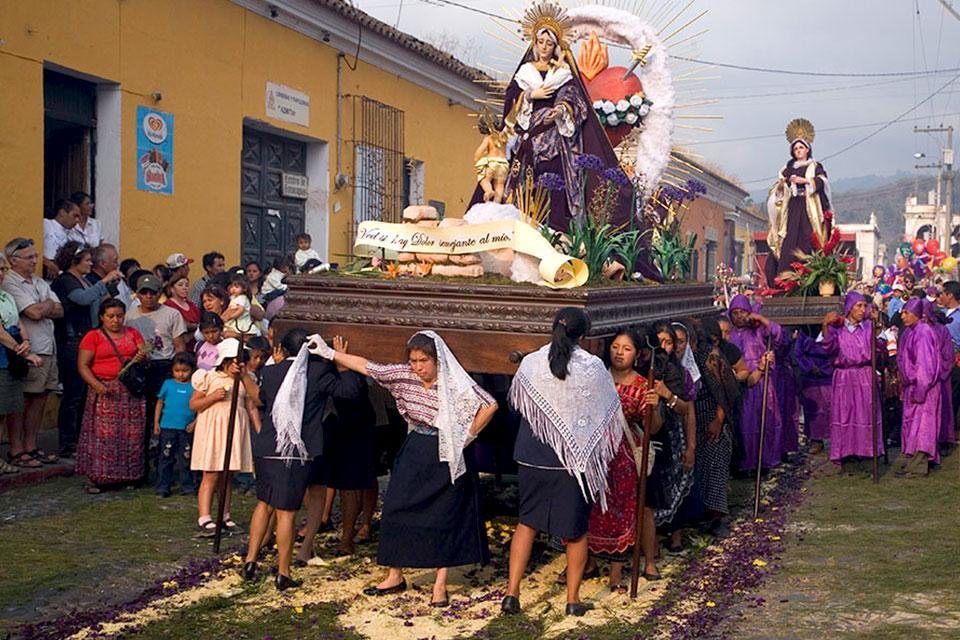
(752, 342)
(816, 382)
(787, 396)
(918, 358)
(850, 424)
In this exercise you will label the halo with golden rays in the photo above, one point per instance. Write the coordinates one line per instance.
(549, 15)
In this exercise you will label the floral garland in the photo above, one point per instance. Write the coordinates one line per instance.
(630, 110)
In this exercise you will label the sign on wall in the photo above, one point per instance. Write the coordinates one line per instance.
(154, 151)
(290, 105)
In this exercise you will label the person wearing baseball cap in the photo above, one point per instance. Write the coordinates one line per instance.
(179, 264)
(165, 329)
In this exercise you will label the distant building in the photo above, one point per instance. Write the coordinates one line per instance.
(714, 217)
(863, 241)
(920, 220)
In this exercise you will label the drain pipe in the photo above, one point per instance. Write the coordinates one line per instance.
(341, 180)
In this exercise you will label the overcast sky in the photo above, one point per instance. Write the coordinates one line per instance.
(835, 36)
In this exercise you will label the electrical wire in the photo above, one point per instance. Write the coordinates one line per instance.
(877, 131)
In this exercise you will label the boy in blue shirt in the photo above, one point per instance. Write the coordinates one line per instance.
(174, 422)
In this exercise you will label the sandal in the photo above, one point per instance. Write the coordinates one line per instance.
(25, 461)
(618, 588)
(208, 529)
(44, 457)
(7, 468)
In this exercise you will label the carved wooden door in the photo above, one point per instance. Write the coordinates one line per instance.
(270, 222)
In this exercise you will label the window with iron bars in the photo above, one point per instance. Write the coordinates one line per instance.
(378, 162)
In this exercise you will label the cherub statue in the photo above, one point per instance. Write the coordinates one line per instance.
(490, 158)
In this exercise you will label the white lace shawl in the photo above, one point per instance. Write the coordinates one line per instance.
(458, 406)
(287, 412)
(580, 417)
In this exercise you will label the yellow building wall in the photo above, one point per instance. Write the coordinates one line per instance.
(210, 61)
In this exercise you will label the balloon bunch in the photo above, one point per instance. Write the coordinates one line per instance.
(924, 258)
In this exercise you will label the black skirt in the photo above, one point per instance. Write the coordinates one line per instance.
(551, 501)
(350, 449)
(279, 485)
(428, 522)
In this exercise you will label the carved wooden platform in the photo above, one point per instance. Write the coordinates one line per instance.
(799, 310)
(489, 327)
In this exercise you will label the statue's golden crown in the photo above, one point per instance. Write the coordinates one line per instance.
(546, 15)
(800, 129)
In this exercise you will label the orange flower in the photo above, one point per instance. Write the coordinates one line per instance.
(423, 268)
(393, 270)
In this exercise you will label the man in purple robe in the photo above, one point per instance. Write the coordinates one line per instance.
(816, 383)
(749, 333)
(786, 378)
(919, 358)
(848, 341)
(940, 323)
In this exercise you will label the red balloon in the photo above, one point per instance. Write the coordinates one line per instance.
(919, 246)
(940, 255)
(933, 246)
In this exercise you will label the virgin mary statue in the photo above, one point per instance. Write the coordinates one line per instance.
(799, 202)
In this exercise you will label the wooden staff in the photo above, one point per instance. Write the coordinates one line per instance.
(873, 400)
(223, 485)
(763, 426)
(641, 498)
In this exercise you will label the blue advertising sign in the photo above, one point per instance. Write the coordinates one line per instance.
(154, 151)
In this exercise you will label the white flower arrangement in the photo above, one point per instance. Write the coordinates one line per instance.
(630, 110)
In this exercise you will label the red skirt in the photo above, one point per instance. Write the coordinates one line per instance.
(613, 532)
(111, 436)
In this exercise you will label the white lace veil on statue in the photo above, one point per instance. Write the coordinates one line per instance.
(459, 404)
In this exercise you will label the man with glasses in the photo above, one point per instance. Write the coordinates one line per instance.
(165, 328)
(38, 306)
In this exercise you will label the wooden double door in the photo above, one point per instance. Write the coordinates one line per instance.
(270, 222)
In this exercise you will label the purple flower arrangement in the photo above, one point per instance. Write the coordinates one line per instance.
(616, 176)
(589, 162)
(550, 182)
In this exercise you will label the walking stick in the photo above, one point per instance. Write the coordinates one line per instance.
(763, 426)
(873, 400)
(641, 498)
(223, 484)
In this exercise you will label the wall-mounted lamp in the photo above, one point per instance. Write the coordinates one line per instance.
(274, 11)
(156, 96)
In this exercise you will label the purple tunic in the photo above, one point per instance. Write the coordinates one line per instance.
(816, 381)
(752, 342)
(947, 354)
(787, 395)
(850, 422)
(918, 358)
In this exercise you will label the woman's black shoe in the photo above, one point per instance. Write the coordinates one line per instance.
(285, 582)
(578, 608)
(249, 572)
(376, 591)
(510, 605)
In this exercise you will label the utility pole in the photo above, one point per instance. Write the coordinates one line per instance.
(944, 217)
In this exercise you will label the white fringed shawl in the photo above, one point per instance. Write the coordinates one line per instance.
(287, 412)
(580, 417)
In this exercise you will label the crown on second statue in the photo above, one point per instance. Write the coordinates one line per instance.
(800, 129)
